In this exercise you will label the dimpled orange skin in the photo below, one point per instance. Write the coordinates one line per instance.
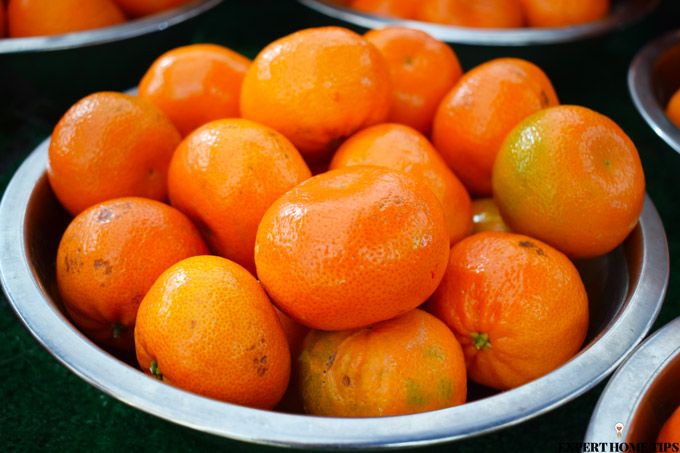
(136, 8)
(570, 177)
(562, 13)
(402, 148)
(195, 84)
(517, 306)
(352, 247)
(225, 175)
(109, 257)
(671, 429)
(408, 364)
(480, 110)
(478, 13)
(317, 87)
(486, 216)
(404, 9)
(423, 70)
(673, 109)
(110, 145)
(207, 326)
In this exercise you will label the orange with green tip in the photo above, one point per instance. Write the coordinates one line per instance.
(670, 432)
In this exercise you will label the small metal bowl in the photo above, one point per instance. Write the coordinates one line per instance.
(643, 393)
(653, 77)
(624, 12)
(625, 288)
(131, 29)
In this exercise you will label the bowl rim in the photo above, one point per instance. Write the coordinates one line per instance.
(620, 17)
(53, 331)
(631, 382)
(642, 91)
(130, 29)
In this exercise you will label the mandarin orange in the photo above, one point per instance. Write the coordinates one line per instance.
(477, 13)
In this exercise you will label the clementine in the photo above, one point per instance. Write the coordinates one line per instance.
(478, 13)
(673, 109)
(486, 216)
(563, 13)
(405, 9)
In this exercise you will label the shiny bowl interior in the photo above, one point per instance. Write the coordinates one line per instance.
(653, 77)
(624, 12)
(625, 287)
(131, 29)
(643, 393)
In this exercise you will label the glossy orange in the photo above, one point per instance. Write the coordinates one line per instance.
(486, 216)
(352, 247)
(563, 13)
(135, 8)
(207, 326)
(110, 145)
(402, 148)
(477, 13)
(517, 306)
(571, 177)
(423, 70)
(405, 9)
(670, 432)
(109, 257)
(673, 109)
(195, 84)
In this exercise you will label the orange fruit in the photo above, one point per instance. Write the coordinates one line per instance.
(408, 364)
(477, 13)
(2, 20)
(480, 110)
(571, 177)
(670, 433)
(352, 247)
(195, 84)
(317, 87)
(486, 216)
(562, 13)
(137, 8)
(110, 145)
(673, 109)
(401, 148)
(423, 70)
(207, 326)
(225, 175)
(405, 9)
(110, 255)
(517, 306)
(54, 17)
(295, 333)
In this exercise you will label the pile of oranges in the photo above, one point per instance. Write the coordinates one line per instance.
(488, 13)
(361, 290)
(23, 18)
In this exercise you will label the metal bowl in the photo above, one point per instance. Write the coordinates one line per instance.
(643, 393)
(625, 288)
(624, 12)
(131, 29)
(653, 77)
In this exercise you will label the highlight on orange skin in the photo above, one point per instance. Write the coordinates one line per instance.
(486, 216)
(477, 13)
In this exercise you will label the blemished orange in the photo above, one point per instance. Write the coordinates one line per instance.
(486, 216)
(110, 255)
(563, 13)
(408, 364)
(400, 147)
(670, 432)
(352, 247)
(570, 177)
(110, 145)
(317, 87)
(478, 13)
(54, 17)
(673, 109)
(517, 306)
(195, 84)
(423, 70)
(404, 9)
(225, 175)
(136, 8)
(207, 326)
(481, 109)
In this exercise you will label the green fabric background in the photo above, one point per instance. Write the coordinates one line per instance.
(44, 406)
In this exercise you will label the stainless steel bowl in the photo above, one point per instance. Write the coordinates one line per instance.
(625, 287)
(643, 393)
(134, 28)
(653, 77)
(623, 13)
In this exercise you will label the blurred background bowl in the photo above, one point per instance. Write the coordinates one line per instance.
(625, 288)
(623, 13)
(653, 77)
(643, 393)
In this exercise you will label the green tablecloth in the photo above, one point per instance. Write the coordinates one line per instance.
(43, 405)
